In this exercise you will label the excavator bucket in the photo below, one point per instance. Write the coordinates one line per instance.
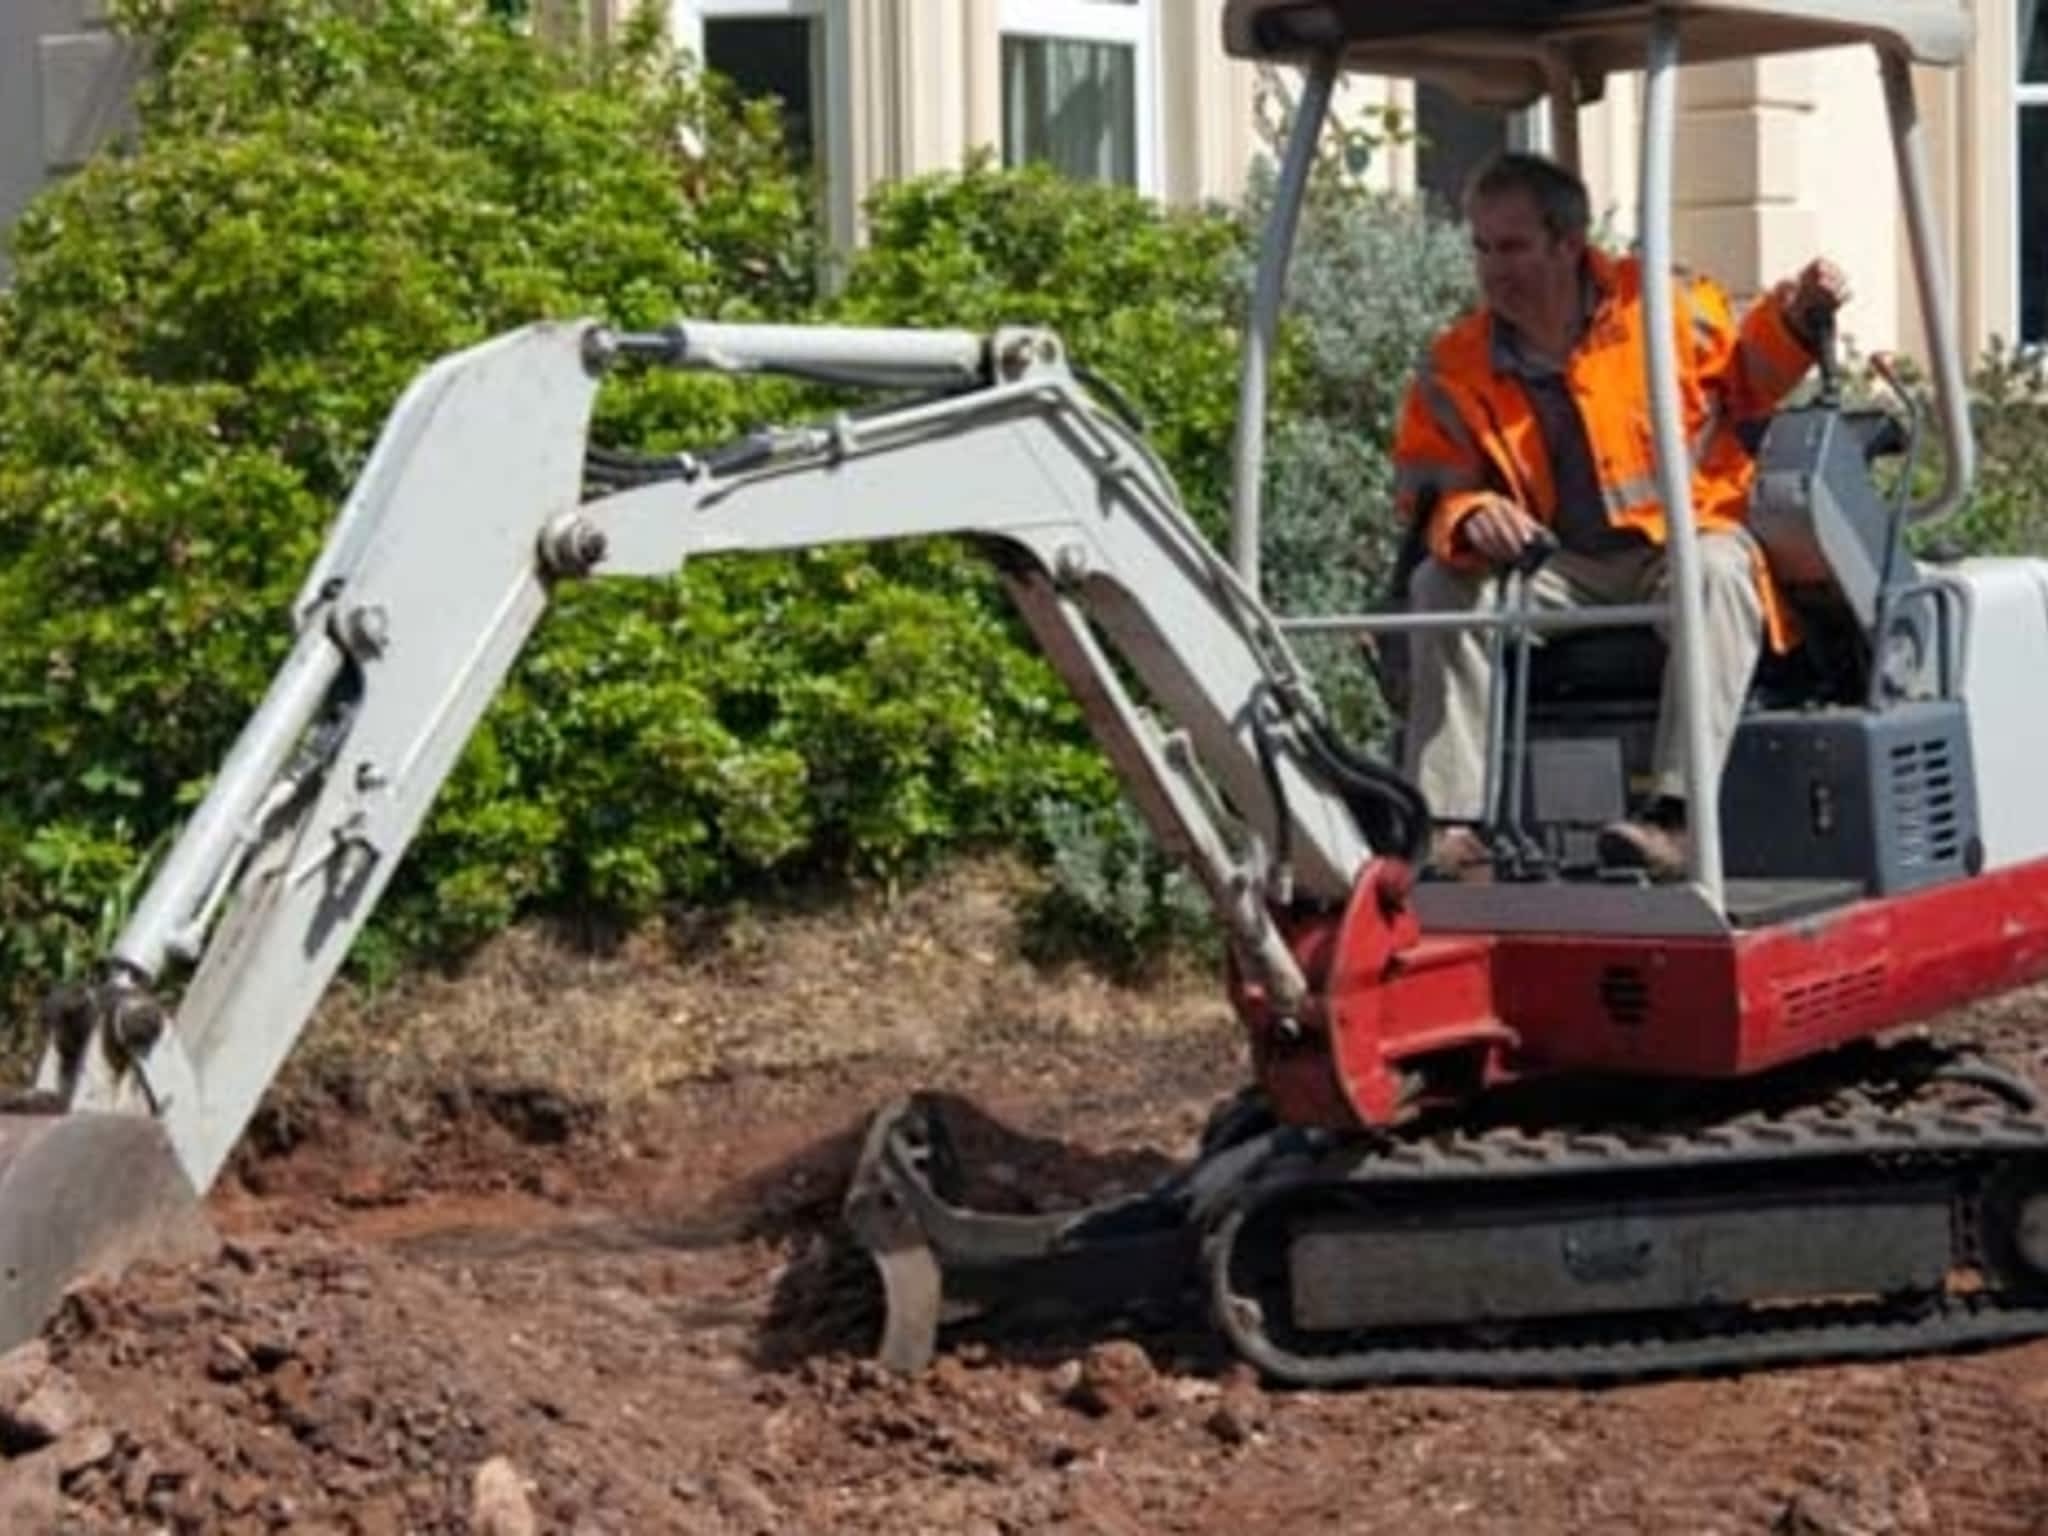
(85, 1194)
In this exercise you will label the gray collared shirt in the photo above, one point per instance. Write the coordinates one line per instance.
(1582, 524)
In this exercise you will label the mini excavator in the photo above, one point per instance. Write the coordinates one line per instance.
(1563, 1125)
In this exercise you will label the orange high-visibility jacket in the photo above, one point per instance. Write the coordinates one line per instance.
(1468, 432)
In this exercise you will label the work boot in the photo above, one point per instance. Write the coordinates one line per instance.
(1656, 847)
(1460, 853)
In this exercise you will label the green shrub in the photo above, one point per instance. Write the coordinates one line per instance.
(1373, 278)
(1144, 298)
(208, 331)
(1140, 294)
(1112, 897)
(205, 336)
(2008, 512)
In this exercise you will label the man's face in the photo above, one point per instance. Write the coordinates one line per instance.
(1525, 272)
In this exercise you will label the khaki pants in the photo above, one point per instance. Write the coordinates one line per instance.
(1452, 675)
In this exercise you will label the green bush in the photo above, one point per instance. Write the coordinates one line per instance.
(1373, 278)
(205, 336)
(1140, 294)
(2008, 512)
(208, 331)
(1144, 299)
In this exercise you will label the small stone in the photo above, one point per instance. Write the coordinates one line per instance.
(1116, 1377)
(291, 1395)
(499, 1505)
(241, 1256)
(1811, 1512)
(52, 1411)
(30, 1499)
(1915, 1509)
(227, 1360)
(83, 1448)
(238, 1495)
(22, 1370)
(744, 1499)
(1227, 1424)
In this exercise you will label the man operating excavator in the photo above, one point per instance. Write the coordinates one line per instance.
(1526, 440)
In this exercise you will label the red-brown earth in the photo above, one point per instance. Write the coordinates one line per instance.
(551, 1246)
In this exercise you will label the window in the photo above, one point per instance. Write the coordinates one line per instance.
(1079, 89)
(2032, 159)
(766, 48)
(1452, 140)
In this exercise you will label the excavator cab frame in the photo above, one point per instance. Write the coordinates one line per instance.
(1514, 54)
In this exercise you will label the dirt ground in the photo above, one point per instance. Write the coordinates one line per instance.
(471, 1283)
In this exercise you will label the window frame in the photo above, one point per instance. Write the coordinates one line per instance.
(1135, 26)
(831, 85)
(2027, 96)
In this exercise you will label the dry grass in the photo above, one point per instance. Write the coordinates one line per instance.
(935, 969)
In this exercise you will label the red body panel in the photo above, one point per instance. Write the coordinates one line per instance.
(1393, 1010)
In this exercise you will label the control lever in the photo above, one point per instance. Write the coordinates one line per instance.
(1830, 364)
(1541, 546)
(1514, 849)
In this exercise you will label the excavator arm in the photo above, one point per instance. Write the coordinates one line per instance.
(476, 505)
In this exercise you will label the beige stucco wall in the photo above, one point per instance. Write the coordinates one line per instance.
(1779, 159)
(913, 86)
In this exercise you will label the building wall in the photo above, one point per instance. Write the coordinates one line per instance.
(65, 88)
(1779, 159)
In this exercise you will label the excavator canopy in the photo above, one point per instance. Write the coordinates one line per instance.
(1506, 53)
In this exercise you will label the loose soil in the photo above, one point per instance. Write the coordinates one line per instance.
(552, 1246)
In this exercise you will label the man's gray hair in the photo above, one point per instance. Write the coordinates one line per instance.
(1560, 197)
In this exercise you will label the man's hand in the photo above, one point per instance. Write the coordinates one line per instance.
(1498, 531)
(1816, 293)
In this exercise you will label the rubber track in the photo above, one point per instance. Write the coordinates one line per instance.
(1636, 1348)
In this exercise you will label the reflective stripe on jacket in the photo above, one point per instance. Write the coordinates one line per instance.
(1468, 432)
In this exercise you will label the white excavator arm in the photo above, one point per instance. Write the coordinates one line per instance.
(474, 506)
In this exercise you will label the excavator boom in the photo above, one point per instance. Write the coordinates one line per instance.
(470, 512)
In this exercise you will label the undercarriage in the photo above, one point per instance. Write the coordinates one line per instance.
(1879, 1202)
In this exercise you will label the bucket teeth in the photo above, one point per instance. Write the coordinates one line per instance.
(86, 1194)
(879, 1210)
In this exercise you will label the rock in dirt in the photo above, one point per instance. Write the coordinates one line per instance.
(499, 1505)
(1116, 1376)
(54, 1410)
(83, 1448)
(744, 1500)
(30, 1499)
(22, 1370)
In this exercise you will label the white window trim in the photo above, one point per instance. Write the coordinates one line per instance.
(1134, 26)
(687, 17)
(832, 90)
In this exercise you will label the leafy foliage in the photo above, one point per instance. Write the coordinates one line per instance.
(205, 336)
(208, 331)
(2008, 513)
(1373, 278)
(1141, 295)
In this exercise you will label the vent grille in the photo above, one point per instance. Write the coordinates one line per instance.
(1927, 808)
(1625, 994)
(1839, 997)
